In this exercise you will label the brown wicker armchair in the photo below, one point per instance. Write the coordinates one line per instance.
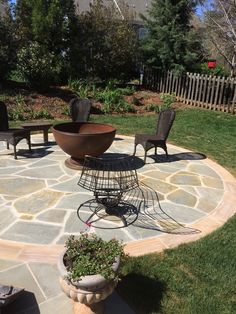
(164, 124)
(11, 136)
(80, 109)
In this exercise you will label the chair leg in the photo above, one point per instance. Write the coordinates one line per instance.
(156, 150)
(135, 145)
(8, 145)
(165, 149)
(29, 144)
(15, 156)
(145, 156)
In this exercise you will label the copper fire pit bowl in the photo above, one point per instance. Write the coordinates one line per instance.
(79, 139)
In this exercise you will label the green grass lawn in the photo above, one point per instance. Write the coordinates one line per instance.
(209, 132)
(198, 277)
(194, 278)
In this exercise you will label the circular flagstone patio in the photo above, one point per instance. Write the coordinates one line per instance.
(39, 197)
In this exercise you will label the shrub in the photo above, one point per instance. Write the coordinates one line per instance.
(81, 88)
(41, 114)
(16, 113)
(167, 101)
(7, 45)
(152, 107)
(217, 71)
(38, 66)
(108, 44)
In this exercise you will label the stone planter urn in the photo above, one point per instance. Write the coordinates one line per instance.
(89, 292)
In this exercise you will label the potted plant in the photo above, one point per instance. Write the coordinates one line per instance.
(89, 270)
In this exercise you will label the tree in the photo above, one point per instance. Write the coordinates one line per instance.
(220, 21)
(108, 43)
(7, 41)
(171, 43)
(53, 25)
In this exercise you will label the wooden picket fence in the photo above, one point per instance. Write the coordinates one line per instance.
(205, 91)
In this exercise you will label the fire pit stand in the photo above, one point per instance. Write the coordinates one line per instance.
(109, 180)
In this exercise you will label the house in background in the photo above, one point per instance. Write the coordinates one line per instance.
(3, 7)
(134, 7)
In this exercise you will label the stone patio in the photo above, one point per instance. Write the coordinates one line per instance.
(39, 198)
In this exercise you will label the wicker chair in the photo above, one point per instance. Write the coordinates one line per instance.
(80, 109)
(164, 124)
(11, 136)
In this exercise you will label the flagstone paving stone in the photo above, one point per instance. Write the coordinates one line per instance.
(6, 218)
(6, 264)
(41, 271)
(182, 197)
(42, 163)
(47, 172)
(20, 186)
(73, 201)
(73, 224)
(38, 211)
(159, 185)
(38, 201)
(20, 276)
(202, 169)
(207, 204)
(31, 232)
(182, 214)
(183, 179)
(53, 215)
(60, 304)
(69, 186)
(160, 175)
(213, 183)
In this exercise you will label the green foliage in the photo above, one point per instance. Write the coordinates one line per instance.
(171, 44)
(41, 114)
(3, 97)
(90, 255)
(7, 44)
(20, 100)
(52, 24)
(16, 113)
(108, 44)
(152, 107)
(65, 110)
(113, 99)
(37, 65)
(80, 87)
(217, 71)
(20, 111)
(167, 100)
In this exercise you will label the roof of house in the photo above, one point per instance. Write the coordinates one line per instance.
(135, 6)
(3, 7)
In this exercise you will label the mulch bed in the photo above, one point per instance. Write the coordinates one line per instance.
(56, 100)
